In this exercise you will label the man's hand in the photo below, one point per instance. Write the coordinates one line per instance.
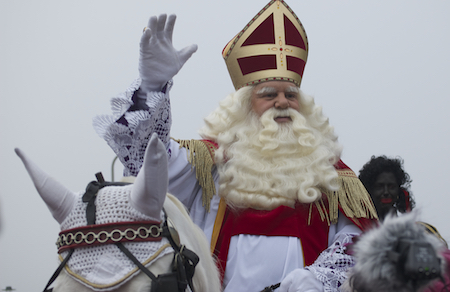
(159, 61)
(300, 280)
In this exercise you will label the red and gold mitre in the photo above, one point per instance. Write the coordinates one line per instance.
(272, 46)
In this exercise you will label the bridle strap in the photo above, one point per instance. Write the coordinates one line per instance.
(108, 233)
(90, 195)
(58, 270)
(186, 259)
(135, 261)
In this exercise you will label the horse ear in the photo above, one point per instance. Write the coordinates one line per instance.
(58, 198)
(150, 188)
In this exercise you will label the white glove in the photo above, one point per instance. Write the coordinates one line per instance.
(300, 280)
(159, 61)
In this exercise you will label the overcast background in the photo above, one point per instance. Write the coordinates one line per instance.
(379, 68)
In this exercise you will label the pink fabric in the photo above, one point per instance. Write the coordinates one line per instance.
(439, 285)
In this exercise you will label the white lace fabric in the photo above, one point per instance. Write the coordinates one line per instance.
(127, 131)
(333, 263)
(105, 267)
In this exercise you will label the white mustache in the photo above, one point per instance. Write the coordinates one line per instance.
(277, 113)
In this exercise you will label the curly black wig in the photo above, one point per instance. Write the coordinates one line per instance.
(370, 171)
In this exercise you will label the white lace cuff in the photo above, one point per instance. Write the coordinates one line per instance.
(333, 263)
(129, 128)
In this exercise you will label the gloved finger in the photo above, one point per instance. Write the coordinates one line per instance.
(170, 25)
(151, 20)
(153, 25)
(185, 53)
(160, 26)
(147, 33)
(145, 38)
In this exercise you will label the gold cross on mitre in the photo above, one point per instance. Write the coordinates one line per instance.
(272, 46)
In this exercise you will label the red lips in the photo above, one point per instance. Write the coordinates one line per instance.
(386, 201)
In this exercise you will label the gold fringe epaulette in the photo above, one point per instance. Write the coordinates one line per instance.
(200, 155)
(352, 198)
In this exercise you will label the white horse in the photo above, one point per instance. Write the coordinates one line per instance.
(96, 262)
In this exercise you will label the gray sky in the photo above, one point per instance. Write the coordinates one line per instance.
(379, 68)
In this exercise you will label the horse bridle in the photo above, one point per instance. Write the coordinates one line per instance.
(183, 263)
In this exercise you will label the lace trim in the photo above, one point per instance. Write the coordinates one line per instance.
(127, 131)
(333, 263)
(121, 103)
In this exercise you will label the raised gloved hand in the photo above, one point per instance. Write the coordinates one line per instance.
(300, 280)
(159, 61)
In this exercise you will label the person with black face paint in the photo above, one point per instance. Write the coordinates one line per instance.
(388, 184)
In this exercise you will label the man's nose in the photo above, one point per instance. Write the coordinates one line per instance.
(281, 101)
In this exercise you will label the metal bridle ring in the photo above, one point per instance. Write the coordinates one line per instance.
(94, 237)
(116, 239)
(143, 232)
(79, 237)
(130, 237)
(107, 235)
(154, 231)
(69, 242)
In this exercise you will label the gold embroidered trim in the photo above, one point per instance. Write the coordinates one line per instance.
(200, 156)
(218, 224)
(352, 196)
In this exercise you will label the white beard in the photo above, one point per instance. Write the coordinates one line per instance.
(270, 164)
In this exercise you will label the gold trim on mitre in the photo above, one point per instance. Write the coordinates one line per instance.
(272, 46)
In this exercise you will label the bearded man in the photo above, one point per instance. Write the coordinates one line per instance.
(266, 184)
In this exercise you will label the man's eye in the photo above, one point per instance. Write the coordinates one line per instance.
(292, 94)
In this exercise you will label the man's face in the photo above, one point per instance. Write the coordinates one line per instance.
(275, 94)
(385, 192)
